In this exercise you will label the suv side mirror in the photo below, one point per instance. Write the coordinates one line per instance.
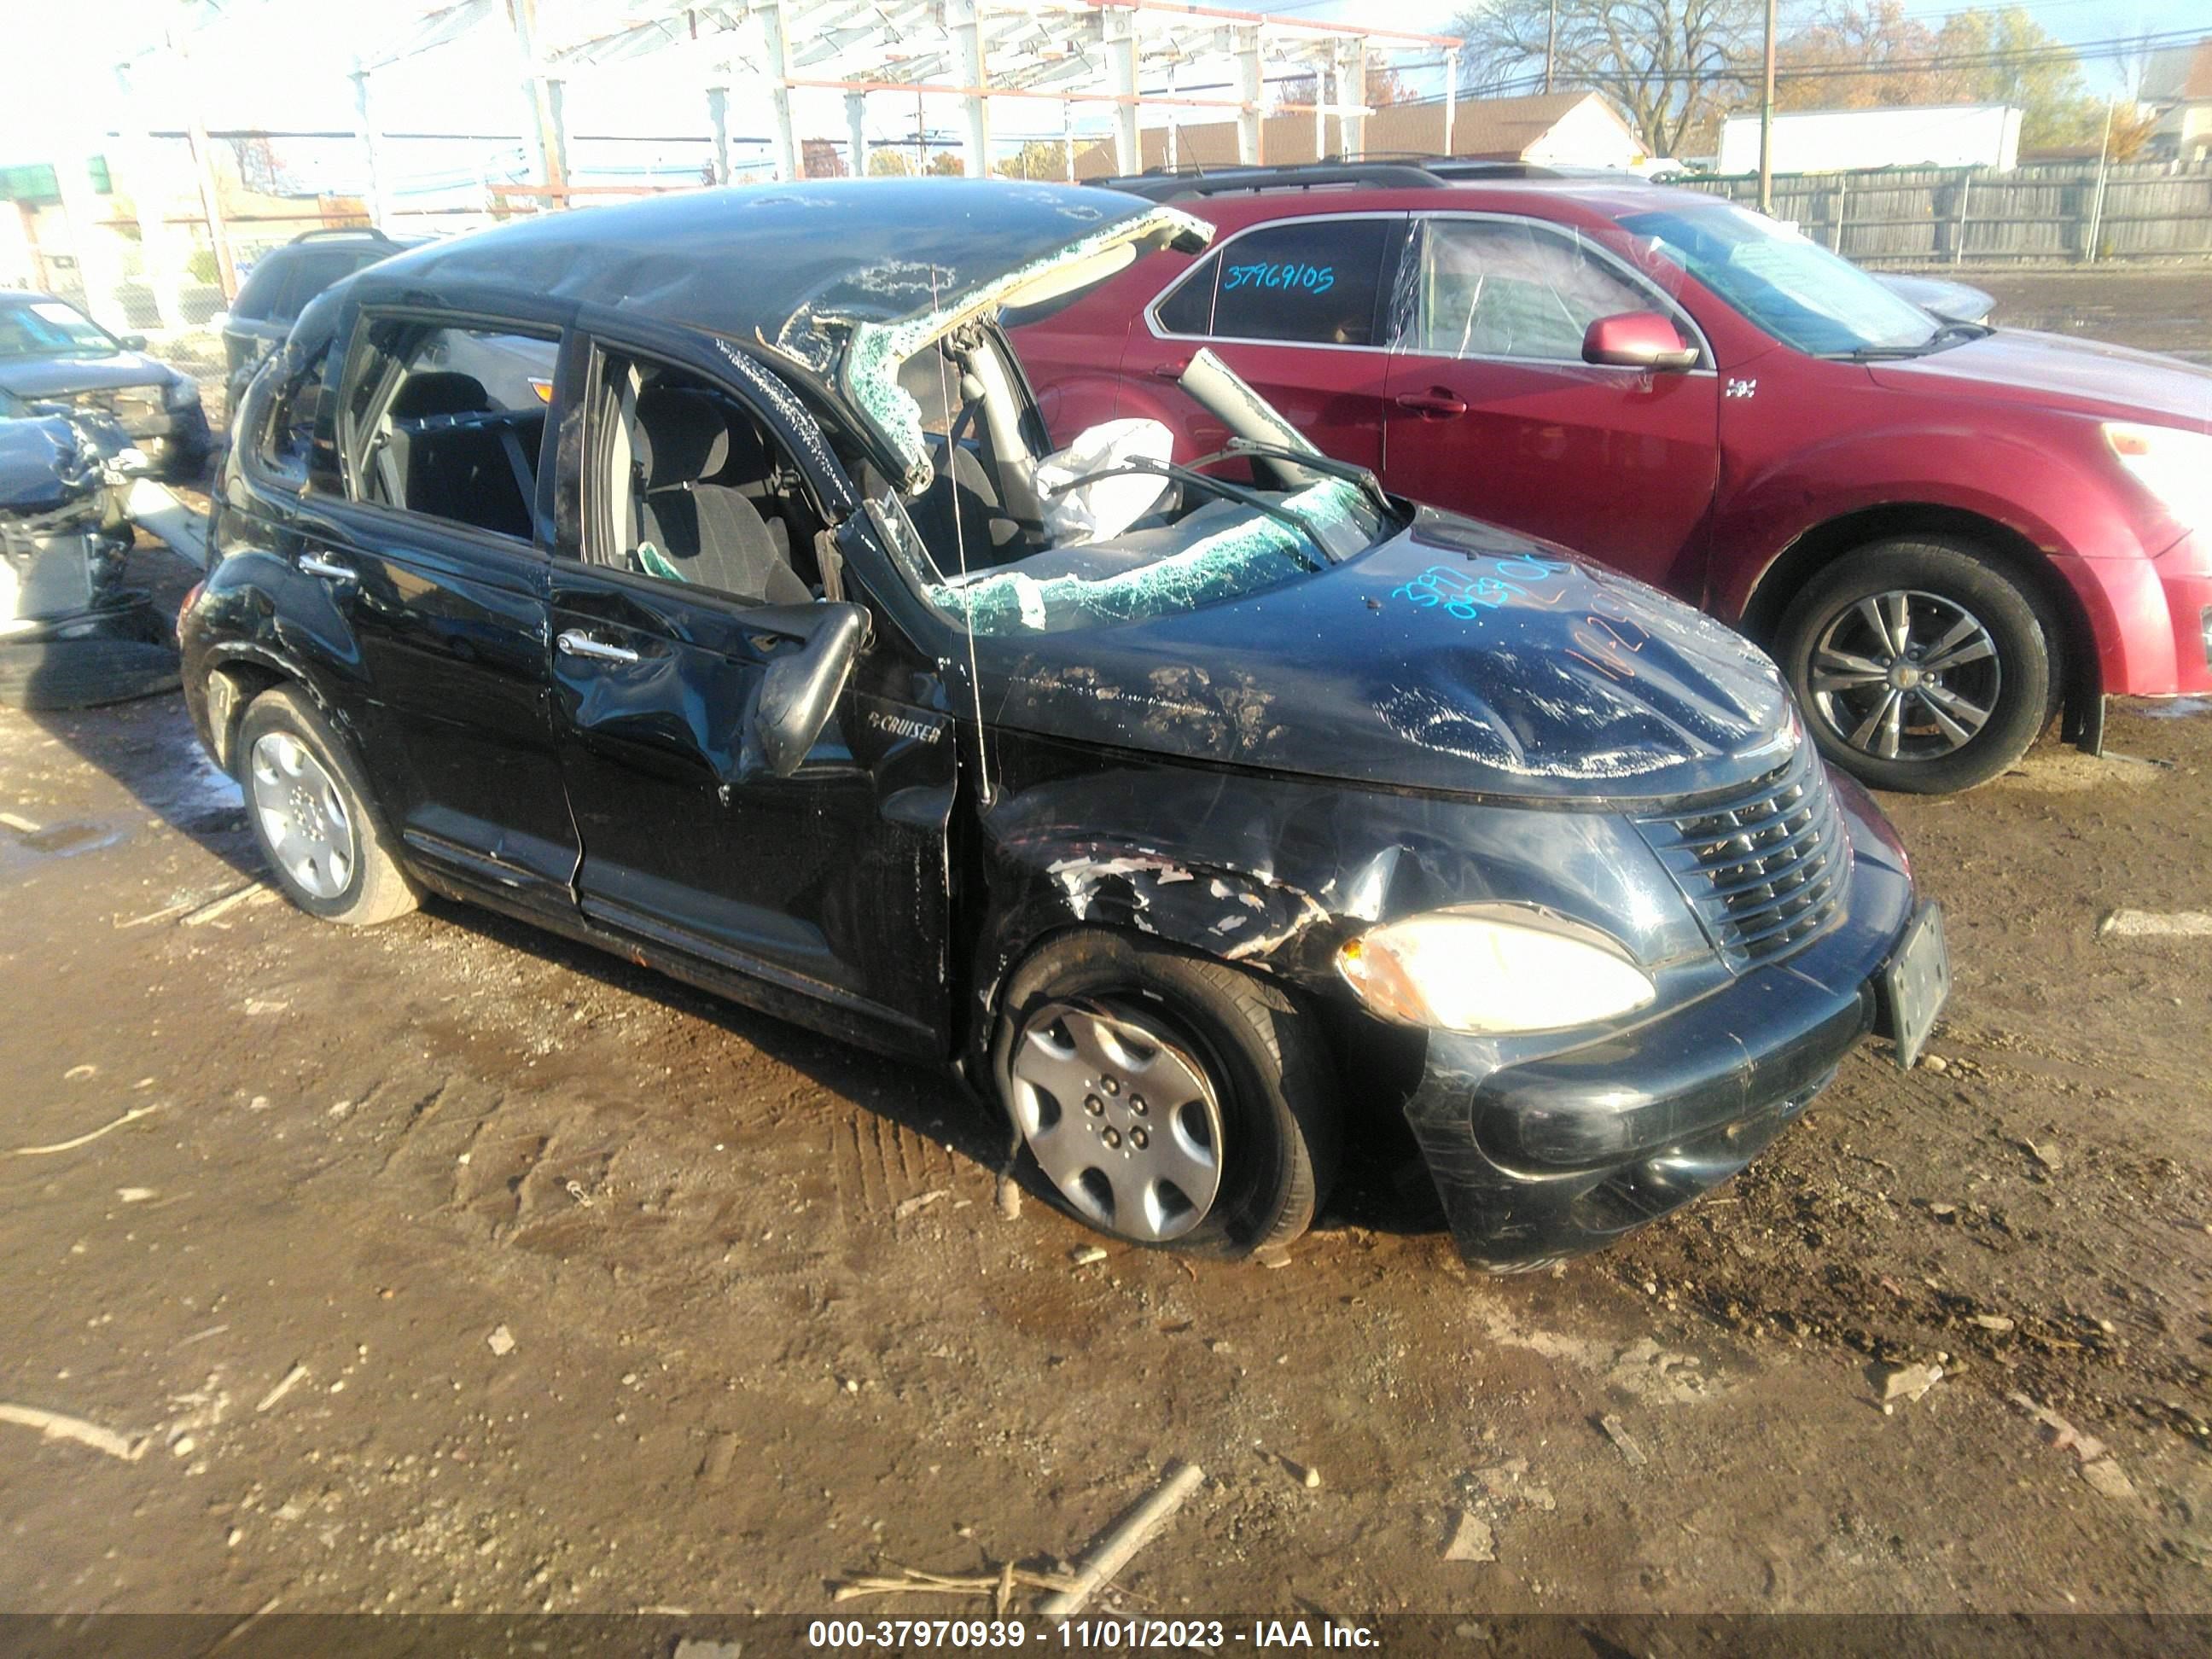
(800, 687)
(131, 342)
(1637, 339)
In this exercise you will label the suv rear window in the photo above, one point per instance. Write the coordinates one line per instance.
(280, 285)
(1310, 282)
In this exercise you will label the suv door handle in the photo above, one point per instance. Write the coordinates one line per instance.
(1437, 405)
(574, 643)
(321, 564)
(1172, 369)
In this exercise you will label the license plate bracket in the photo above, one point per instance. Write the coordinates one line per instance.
(1915, 982)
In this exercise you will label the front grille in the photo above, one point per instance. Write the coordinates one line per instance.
(1766, 868)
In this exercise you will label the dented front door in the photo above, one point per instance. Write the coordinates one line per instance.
(827, 889)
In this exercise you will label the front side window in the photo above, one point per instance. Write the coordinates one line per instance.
(446, 421)
(1506, 287)
(51, 328)
(1792, 287)
(685, 485)
(1309, 282)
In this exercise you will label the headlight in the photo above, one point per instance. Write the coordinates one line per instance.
(1499, 968)
(180, 393)
(2174, 465)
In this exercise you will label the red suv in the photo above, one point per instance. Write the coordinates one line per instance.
(1944, 533)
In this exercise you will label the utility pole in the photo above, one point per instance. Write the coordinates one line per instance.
(1551, 44)
(1766, 123)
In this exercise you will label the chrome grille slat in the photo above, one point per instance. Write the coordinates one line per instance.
(1767, 868)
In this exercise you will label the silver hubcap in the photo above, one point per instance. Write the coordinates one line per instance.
(1119, 1119)
(302, 815)
(1906, 676)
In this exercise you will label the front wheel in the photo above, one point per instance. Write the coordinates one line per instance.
(1921, 665)
(1166, 1098)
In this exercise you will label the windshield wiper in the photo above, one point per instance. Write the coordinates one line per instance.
(1350, 472)
(1240, 494)
(1949, 332)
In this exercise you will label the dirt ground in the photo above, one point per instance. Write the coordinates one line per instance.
(447, 1265)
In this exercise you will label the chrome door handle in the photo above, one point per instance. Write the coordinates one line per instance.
(320, 564)
(573, 643)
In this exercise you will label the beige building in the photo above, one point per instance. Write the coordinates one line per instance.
(2177, 84)
(1559, 129)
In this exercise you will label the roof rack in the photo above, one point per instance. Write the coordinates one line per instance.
(1408, 170)
(1163, 186)
(326, 231)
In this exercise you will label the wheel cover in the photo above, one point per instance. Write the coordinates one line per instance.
(1905, 675)
(302, 815)
(1121, 1118)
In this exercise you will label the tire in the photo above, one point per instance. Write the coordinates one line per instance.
(299, 775)
(1261, 1058)
(1956, 725)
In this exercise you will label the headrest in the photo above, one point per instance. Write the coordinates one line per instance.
(440, 392)
(682, 436)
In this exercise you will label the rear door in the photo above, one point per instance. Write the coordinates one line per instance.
(1492, 412)
(435, 555)
(1298, 307)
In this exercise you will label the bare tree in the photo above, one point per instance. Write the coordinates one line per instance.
(1671, 65)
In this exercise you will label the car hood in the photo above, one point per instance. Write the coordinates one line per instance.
(60, 377)
(2023, 365)
(1395, 669)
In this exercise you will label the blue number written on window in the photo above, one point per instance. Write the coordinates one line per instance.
(1309, 279)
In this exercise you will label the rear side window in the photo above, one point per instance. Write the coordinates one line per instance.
(264, 289)
(447, 423)
(1309, 282)
(1496, 288)
(1312, 282)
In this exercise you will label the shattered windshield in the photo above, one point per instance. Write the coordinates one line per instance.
(49, 328)
(1790, 286)
(1220, 551)
(1105, 531)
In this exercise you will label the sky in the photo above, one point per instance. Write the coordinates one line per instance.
(285, 66)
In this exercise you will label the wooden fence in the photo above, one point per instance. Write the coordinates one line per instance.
(2072, 211)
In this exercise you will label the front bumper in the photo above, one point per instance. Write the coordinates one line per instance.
(1547, 1158)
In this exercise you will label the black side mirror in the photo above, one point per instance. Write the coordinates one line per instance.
(131, 342)
(799, 688)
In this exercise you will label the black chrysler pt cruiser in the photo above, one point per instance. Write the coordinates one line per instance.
(693, 578)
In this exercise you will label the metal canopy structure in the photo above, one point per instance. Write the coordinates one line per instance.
(1125, 55)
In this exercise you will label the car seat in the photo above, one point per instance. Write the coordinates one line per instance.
(707, 532)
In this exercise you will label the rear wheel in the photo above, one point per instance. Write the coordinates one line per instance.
(310, 812)
(1920, 664)
(1166, 1098)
